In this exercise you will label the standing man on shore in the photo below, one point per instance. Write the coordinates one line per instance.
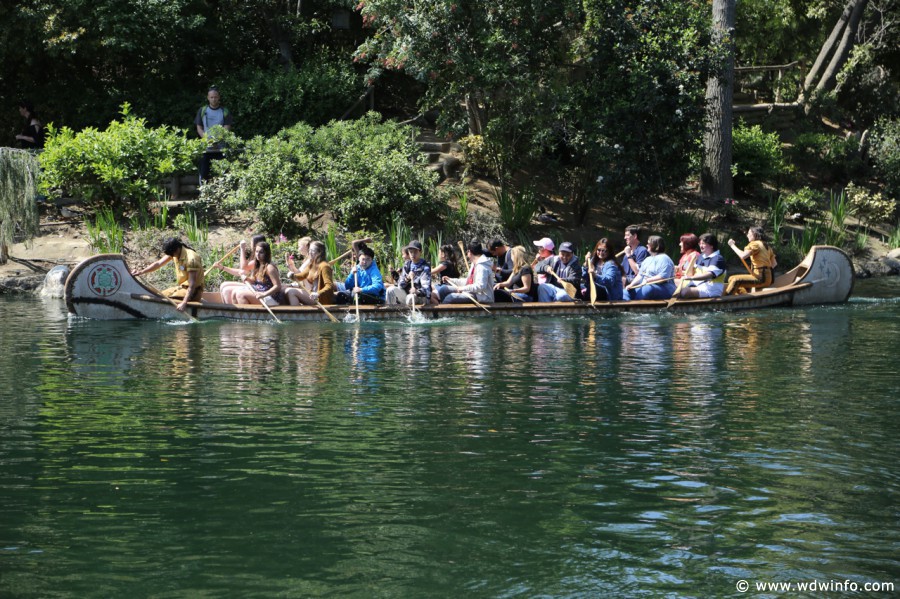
(210, 116)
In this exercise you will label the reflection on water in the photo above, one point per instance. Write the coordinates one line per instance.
(642, 454)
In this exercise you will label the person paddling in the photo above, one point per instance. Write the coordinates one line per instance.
(188, 270)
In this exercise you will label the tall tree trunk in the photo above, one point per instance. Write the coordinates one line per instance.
(475, 112)
(827, 47)
(843, 51)
(715, 176)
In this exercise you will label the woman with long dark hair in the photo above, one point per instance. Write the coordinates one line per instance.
(264, 280)
(606, 272)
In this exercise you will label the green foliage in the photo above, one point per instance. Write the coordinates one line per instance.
(476, 153)
(757, 157)
(370, 170)
(362, 171)
(18, 183)
(884, 152)
(399, 236)
(805, 202)
(516, 208)
(189, 225)
(893, 240)
(274, 176)
(837, 156)
(628, 110)
(680, 222)
(105, 234)
(119, 168)
(836, 227)
(330, 241)
(872, 207)
(268, 100)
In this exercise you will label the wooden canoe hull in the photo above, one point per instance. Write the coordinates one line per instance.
(101, 287)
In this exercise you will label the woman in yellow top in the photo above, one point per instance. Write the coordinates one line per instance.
(762, 262)
(318, 274)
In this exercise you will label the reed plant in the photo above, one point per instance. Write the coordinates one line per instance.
(105, 234)
(838, 212)
(192, 227)
(893, 240)
(777, 212)
(516, 209)
(811, 234)
(433, 248)
(861, 240)
(457, 219)
(399, 236)
(330, 241)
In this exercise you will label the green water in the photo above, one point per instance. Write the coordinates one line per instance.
(631, 456)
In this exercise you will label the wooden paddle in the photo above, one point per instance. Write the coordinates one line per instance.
(591, 284)
(652, 283)
(219, 261)
(462, 248)
(683, 283)
(327, 313)
(569, 287)
(341, 257)
(160, 294)
(356, 295)
(476, 302)
(265, 305)
(350, 251)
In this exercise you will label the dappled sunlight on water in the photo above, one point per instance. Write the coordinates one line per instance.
(616, 456)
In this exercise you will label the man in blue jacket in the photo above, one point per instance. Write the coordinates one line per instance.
(364, 281)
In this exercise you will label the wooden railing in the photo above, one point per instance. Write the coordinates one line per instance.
(780, 69)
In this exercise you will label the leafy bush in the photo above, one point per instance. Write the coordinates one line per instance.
(119, 168)
(370, 170)
(476, 153)
(838, 156)
(805, 202)
(870, 206)
(265, 101)
(274, 176)
(885, 154)
(757, 157)
(362, 171)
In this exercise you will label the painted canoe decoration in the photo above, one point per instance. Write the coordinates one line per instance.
(102, 287)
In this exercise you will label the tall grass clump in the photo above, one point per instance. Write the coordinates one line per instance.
(192, 227)
(838, 212)
(104, 234)
(516, 209)
(330, 241)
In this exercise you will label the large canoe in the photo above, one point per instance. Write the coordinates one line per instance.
(102, 287)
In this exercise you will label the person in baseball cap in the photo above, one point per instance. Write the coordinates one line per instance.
(546, 243)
